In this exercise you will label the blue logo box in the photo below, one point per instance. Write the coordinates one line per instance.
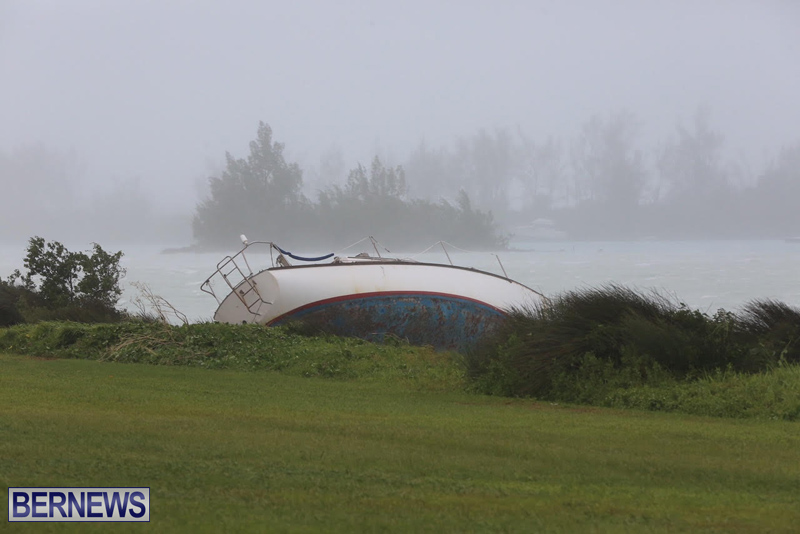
(79, 504)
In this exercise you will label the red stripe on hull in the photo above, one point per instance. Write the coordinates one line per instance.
(357, 296)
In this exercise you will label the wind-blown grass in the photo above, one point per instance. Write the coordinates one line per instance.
(776, 325)
(586, 345)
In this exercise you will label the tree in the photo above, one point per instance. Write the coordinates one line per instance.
(607, 163)
(431, 173)
(689, 165)
(262, 191)
(485, 163)
(61, 278)
(330, 169)
(696, 196)
(9, 314)
(382, 185)
(608, 177)
(541, 169)
(374, 202)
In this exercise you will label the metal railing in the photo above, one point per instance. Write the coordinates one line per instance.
(237, 275)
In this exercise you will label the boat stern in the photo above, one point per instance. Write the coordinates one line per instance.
(251, 301)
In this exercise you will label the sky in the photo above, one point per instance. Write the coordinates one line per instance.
(157, 91)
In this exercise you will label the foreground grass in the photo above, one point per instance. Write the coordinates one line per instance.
(237, 451)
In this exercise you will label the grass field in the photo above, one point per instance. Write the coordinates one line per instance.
(226, 450)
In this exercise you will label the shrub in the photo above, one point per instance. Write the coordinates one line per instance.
(777, 325)
(9, 313)
(587, 342)
(63, 285)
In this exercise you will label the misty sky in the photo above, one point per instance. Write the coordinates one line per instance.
(159, 90)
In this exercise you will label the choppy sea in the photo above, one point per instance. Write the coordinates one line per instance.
(705, 275)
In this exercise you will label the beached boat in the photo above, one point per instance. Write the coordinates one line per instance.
(443, 305)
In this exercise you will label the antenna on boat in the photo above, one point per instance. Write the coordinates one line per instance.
(244, 239)
(445, 252)
(375, 246)
(503, 268)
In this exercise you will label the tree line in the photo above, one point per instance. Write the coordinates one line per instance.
(599, 184)
(602, 183)
(262, 195)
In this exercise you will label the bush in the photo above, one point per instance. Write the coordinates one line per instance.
(63, 285)
(585, 343)
(9, 313)
(776, 325)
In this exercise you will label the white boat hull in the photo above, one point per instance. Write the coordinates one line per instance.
(441, 305)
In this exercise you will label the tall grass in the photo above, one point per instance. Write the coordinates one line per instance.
(586, 344)
(775, 325)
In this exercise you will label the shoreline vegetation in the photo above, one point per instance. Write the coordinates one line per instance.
(766, 386)
(618, 347)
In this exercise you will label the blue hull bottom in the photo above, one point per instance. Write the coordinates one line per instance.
(443, 321)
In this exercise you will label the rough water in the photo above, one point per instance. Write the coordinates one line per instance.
(706, 275)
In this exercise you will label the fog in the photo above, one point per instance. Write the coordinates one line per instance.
(114, 114)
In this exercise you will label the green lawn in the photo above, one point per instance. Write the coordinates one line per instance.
(259, 451)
